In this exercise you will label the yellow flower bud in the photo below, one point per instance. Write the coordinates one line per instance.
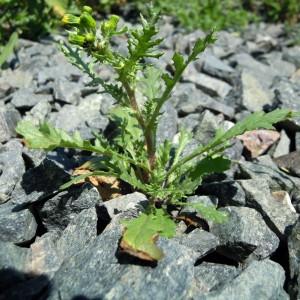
(69, 19)
(90, 37)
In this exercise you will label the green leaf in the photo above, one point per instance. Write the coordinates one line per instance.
(209, 212)
(48, 138)
(8, 49)
(140, 234)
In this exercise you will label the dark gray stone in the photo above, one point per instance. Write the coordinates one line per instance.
(39, 183)
(167, 125)
(57, 212)
(199, 241)
(11, 168)
(278, 215)
(110, 280)
(260, 280)
(16, 226)
(294, 255)
(227, 192)
(289, 162)
(244, 233)
(12, 265)
(211, 276)
(25, 98)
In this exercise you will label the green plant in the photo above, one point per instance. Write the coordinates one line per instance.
(162, 172)
(7, 49)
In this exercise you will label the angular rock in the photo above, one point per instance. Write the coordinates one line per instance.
(208, 84)
(211, 276)
(39, 183)
(283, 146)
(294, 254)
(254, 96)
(66, 91)
(288, 93)
(10, 117)
(207, 127)
(167, 125)
(11, 168)
(57, 212)
(12, 79)
(79, 234)
(260, 280)
(278, 215)
(110, 280)
(4, 130)
(25, 99)
(199, 241)
(297, 141)
(227, 192)
(292, 55)
(12, 265)
(39, 112)
(256, 142)
(243, 234)
(289, 162)
(217, 68)
(16, 226)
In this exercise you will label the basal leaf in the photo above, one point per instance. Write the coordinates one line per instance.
(209, 212)
(8, 49)
(140, 234)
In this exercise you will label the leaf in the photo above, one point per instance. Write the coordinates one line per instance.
(8, 49)
(48, 138)
(140, 234)
(209, 212)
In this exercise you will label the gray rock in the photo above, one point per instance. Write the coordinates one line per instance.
(110, 280)
(167, 125)
(16, 226)
(244, 233)
(288, 93)
(278, 215)
(194, 100)
(4, 130)
(66, 91)
(12, 265)
(217, 68)
(294, 254)
(199, 241)
(11, 168)
(80, 233)
(292, 55)
(25, 99)
(260, 280)
(290, 163)
(211, 276)
(297, 141)
(207, 127)
(189, 122)
(39, 183)
(283, 146)
(255, 96)
(263, 73)
(227, 192)
(11, 118)
(208, 84)
(39, 112)
(12, 79)
(43, 258)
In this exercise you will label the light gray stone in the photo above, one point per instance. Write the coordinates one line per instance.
(25, 98)
(283, 146)
(292, 55)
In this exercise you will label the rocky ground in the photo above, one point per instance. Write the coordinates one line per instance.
(63, 245)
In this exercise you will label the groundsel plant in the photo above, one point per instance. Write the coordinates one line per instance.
(162, 172)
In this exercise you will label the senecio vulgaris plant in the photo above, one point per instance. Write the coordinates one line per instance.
(161, 172)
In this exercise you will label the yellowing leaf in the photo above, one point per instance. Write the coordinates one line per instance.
(141, 233)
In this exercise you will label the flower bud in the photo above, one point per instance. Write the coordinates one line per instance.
(87, 9)
(69, 19)
(90, 37)
(110, 25)
(77, 39)
(87, 22)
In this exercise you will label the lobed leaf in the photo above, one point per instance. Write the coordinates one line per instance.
(140, 234)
